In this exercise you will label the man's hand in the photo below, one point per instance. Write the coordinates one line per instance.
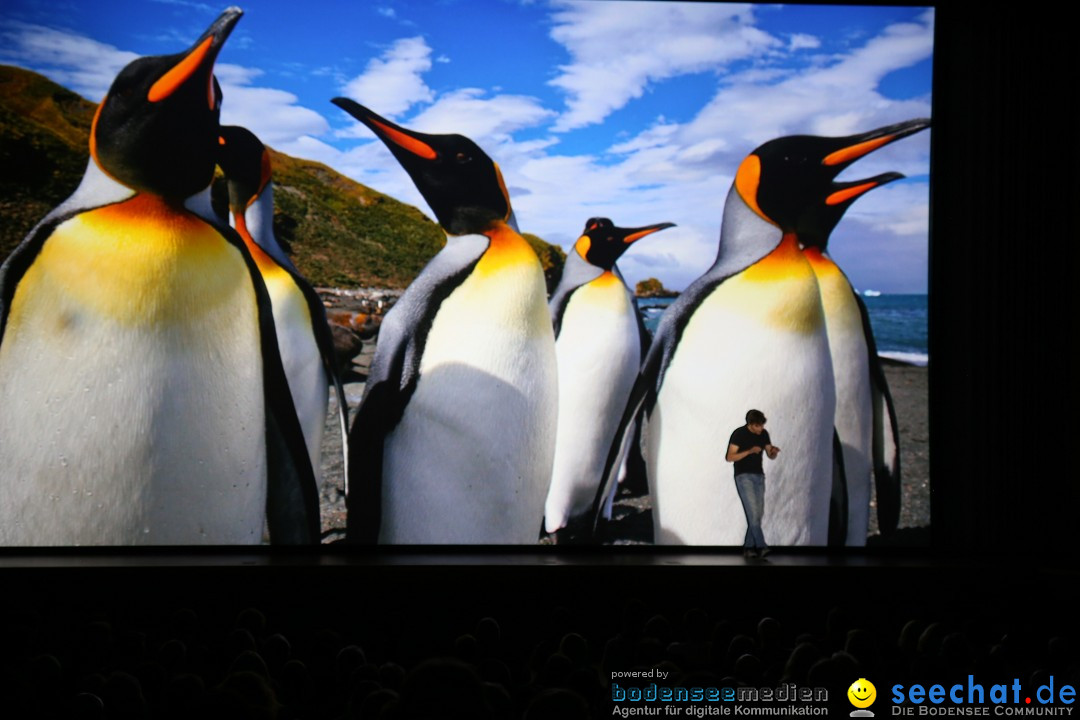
(772, 451)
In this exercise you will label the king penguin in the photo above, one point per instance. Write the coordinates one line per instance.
(304, 338)
(600, 341)
(144, 398)
(454, 438)
(865, 417)
(750, 333)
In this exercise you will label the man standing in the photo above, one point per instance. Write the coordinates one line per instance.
(744, 449)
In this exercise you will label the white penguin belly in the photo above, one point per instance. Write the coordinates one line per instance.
(749, 345)
(470, 460)
(598, 353)
(302, 361)
(854, 411)
(131, 382)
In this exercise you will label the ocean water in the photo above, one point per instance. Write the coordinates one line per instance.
(899, 323)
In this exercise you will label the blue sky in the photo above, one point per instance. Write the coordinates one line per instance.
(639, 111)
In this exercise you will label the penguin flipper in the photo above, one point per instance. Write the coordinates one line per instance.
(292, 496)
(557, 307)
(643, 332)
(292, 505)
(324, 338)
(16, 265)
(343, 427)
(886, 435)
(643, 390)
(838, 500)
(394, 372)
(390, 382)
(651, 376)
(363, 499)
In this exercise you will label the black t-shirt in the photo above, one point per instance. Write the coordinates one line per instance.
(743, 439)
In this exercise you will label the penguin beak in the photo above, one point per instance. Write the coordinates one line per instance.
(856, 146)
(847, 192)
(839, 195)
(403, 143)
(635, 234)
(198, 61)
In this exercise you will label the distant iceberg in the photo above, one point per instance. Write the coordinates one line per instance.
(871, 293)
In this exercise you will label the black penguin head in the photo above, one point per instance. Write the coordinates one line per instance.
(463, 186)
(601, 243)
(157, 128)
(789, 181)
(246, 164)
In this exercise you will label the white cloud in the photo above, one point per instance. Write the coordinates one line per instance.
(899, 208)
(839, 97)
(394, 80)
(681, 172)
(272, 114)
(467, 112)
(669, 171)
(86, 66)
(802, 41)
(233, 75)
(619, 48)
(89, 67)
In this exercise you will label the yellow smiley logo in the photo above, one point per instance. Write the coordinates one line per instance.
(862, 693)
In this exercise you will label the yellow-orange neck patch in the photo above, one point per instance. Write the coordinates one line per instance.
(779, 291)
(779, 264)
(606, 279)
(506, 249)
(822, 265)
(141, 261)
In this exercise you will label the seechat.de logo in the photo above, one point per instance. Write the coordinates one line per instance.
(973, 698)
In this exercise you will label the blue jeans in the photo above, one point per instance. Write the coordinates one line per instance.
(751, 487)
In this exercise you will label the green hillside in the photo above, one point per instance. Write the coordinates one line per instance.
(338, 232)
(341, 233)
(43, 135)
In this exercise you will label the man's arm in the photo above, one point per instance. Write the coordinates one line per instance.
(733, 454)
(772, 451)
